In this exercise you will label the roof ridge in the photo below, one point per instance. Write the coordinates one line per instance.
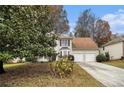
(119, 39)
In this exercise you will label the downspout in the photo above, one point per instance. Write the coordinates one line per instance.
(123, 48)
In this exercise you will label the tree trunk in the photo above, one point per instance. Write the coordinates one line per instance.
(1, 67)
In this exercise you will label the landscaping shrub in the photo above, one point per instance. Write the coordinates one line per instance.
(71, 57)
(107, 56)
(122, 58)
(52, 58)
(5, 57)
(63, 68)
(101, 58)
(29, 59)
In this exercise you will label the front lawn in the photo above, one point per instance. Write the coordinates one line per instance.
(39, 75)
(116, 63)
(13, 65)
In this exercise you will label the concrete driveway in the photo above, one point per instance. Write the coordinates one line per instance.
(109, 76)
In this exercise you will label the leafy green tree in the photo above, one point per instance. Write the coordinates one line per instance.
(26, 31)
(4, 57)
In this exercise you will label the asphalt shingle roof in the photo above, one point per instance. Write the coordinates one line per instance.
(84, 44)
(114, 41)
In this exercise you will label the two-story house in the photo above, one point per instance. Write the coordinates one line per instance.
(64, 46)
(83, 49)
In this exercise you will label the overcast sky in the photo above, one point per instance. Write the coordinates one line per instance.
(113, 14)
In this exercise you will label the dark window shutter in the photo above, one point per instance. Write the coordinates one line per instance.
(61, 53)
(68, 42)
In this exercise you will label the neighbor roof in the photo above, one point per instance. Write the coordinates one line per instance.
(114, 41)
(84, 44)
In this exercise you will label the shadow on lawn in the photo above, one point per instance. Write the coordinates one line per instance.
(40, 75)
(28, 71)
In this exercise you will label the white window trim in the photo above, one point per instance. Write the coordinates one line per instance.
(66, 52)
(63, 41)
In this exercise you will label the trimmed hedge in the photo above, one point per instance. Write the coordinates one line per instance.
(71, 57)
(101, 58)
(5, 56)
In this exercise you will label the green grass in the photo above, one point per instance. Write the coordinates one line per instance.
(39, 75)
(116, 63)
(13, 65)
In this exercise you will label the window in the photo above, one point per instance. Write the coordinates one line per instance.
(64, 52)
(64, 42)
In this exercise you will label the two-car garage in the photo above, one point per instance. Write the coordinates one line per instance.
(84, 50)
(84, 57)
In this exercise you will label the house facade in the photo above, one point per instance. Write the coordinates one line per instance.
(64, 46)
(115, 48)
(83, 49)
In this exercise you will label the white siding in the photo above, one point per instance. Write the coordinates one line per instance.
(115, 50)
(85, 51)
(58, 47)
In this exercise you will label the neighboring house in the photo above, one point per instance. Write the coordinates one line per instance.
(115, 48)
(83, 49)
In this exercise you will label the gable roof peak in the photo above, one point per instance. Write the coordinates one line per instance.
(64, 36)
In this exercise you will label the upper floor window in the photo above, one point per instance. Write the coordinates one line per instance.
(64, 42)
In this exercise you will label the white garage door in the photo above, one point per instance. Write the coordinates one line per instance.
(85, 57)
(90, 57)
(78, 57)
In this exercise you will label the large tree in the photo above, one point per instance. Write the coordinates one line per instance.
(85, 24)
(102, 32)
(59, 16)
(25, 31)
(90, 26)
